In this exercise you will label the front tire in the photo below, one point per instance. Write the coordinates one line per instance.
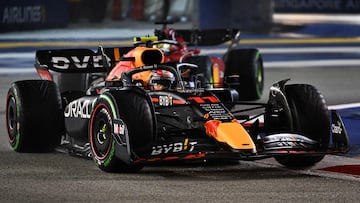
(136, 127)
(310, 118)
(34, 117)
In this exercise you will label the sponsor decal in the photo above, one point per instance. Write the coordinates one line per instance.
(119, 128)
(23, 14)
(165, 100)
(63, 62)
(337, 129)
(174, 147)
(216, 112)
(79, 109)
(287, 140)
(206, 99)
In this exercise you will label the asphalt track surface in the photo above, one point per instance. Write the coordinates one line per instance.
(59, 177)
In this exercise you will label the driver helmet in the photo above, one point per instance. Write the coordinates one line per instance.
(166, 48)
(161, 80)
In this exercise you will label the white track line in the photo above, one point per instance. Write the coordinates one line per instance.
(312, 63)
(344, 106)
(292, 50)
(296, 50)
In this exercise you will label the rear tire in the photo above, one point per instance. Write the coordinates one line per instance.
(244, 72)
(34, 116)
(310, 118)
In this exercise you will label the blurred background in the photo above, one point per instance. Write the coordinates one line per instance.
(250, 15)
(42, 14)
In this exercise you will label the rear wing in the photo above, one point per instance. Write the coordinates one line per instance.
(79, 60)
(197, 37)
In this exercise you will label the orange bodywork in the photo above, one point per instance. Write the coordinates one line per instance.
(126, 65)
(231, 133)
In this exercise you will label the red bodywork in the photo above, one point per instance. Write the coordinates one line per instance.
(180, 52)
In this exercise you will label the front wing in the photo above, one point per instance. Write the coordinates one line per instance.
(281, 144)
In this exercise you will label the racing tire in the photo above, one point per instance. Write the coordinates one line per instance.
(204, 71)
(34, 116)
(133, 109)
(310, 118)
(244, 72)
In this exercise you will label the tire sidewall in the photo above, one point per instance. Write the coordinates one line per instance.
(13, 106)
(102, 110)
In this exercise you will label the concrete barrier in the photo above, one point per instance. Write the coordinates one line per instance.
(249, 15)
(317, 6)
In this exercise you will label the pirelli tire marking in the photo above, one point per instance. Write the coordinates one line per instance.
(105, 158)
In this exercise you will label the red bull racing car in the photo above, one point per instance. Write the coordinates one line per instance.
(124, 123)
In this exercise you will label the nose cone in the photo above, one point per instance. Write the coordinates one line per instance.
(231, 133)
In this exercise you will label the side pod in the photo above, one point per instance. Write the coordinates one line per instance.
(340, 138)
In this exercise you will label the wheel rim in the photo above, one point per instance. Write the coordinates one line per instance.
(12, 120)
(100, 133)
(102, 139)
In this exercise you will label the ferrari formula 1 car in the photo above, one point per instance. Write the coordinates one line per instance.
(239, 69)
(125, 124)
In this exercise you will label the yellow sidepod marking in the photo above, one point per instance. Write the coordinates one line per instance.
(231, 133)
